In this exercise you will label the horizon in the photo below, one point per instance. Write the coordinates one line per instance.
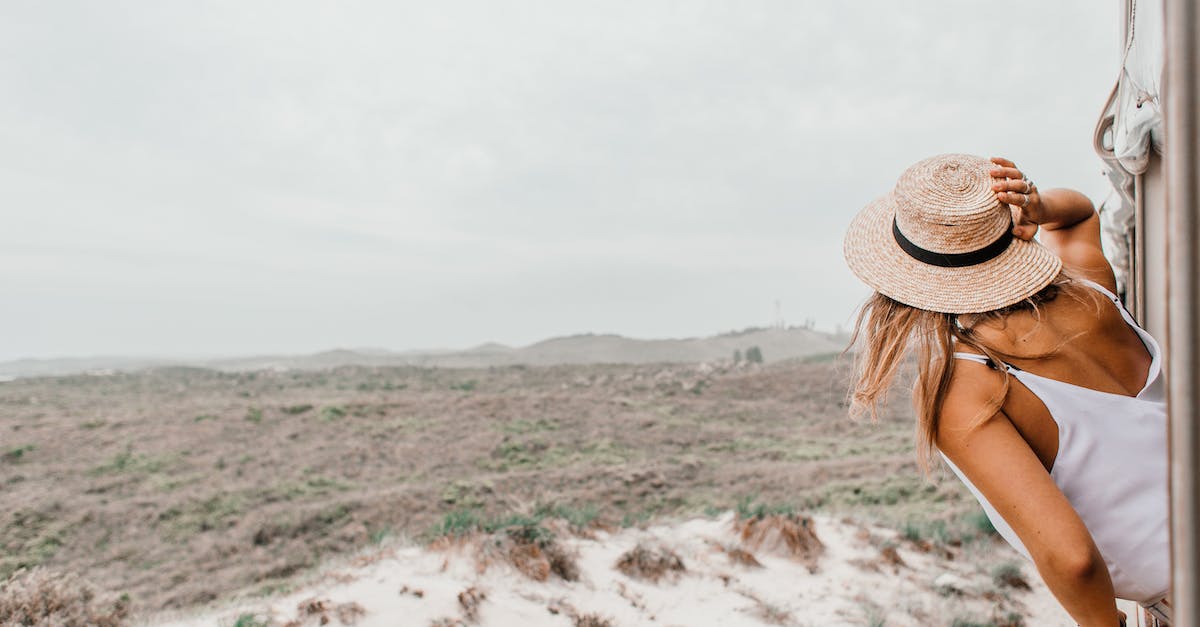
(415, 350)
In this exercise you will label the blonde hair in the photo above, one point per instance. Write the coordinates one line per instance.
(889, 331)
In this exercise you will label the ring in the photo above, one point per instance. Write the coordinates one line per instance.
(1028, 185)
(1024, 200)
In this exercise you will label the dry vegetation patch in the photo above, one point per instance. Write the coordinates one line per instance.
(789, 535)
(41, 597)
(187, 486)
(651, 562)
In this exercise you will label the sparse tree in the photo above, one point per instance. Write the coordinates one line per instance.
(737, 356)
(754, 355)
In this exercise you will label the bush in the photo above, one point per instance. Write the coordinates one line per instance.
(42, 597)
(754, 355)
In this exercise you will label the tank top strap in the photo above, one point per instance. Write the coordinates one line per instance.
(985, 360)
(1114, 298)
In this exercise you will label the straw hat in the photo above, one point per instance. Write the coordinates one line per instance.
(942, 241)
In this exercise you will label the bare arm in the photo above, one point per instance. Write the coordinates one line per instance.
(1068, 220)
(994, 456)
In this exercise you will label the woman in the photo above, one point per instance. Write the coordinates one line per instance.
(1034, 383)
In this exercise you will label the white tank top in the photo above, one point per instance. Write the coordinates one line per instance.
(1112, 467)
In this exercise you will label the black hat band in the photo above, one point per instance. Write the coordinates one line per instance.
(954, 260)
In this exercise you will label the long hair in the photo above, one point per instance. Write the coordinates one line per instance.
(887, 331)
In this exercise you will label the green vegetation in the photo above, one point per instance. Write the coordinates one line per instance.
(203, 417)
(200, 515)
(979, 520)
(377, 536)
(457, 523)
(294, 410)
(526, 453)
(298, 489)
(1009, 575)
(463, 493)
(464, 386)
(254, 415)
(14, 455)
(522, 527)
(754, 355)
(579, 517)
(1010, 619)
(249, 620)
(129, 462)
(942, 532)
(332, 412)
(748, 508)
(465, 521)
(529, 426)
(29, 538)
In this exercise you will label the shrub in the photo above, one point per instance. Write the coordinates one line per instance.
(42, 597)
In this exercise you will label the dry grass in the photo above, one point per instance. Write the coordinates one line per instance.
(323, 611)
(469, 601)
(43, 598)
(578, 618)
(593, 620)
(1009, 575)
(117, 479)
(790, 535)
(650, 562)
(738, 555)
(528, 547)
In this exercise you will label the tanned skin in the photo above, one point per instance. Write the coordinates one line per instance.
(1008, 456)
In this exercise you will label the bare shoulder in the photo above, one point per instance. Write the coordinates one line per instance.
(973, 397)
(1078, 244)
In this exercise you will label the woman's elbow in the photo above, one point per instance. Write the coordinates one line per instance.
(1077, 565)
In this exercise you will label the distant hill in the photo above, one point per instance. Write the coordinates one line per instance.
(775, 343)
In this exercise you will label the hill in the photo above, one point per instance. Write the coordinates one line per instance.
(776, 344)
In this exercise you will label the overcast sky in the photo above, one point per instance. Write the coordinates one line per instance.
(229, 178)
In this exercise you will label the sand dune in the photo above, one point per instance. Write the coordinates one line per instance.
(862, 575)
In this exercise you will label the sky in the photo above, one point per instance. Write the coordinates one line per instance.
(235, 178)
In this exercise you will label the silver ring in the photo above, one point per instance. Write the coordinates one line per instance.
(1028, 185)
(1025, 200)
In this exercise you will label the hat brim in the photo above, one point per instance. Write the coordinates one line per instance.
(872, 253)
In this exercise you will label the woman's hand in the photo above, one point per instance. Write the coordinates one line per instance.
(1020, 194)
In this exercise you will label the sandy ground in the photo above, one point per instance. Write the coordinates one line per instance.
(853, 583)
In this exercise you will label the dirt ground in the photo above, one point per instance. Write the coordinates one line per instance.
(181, 486)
